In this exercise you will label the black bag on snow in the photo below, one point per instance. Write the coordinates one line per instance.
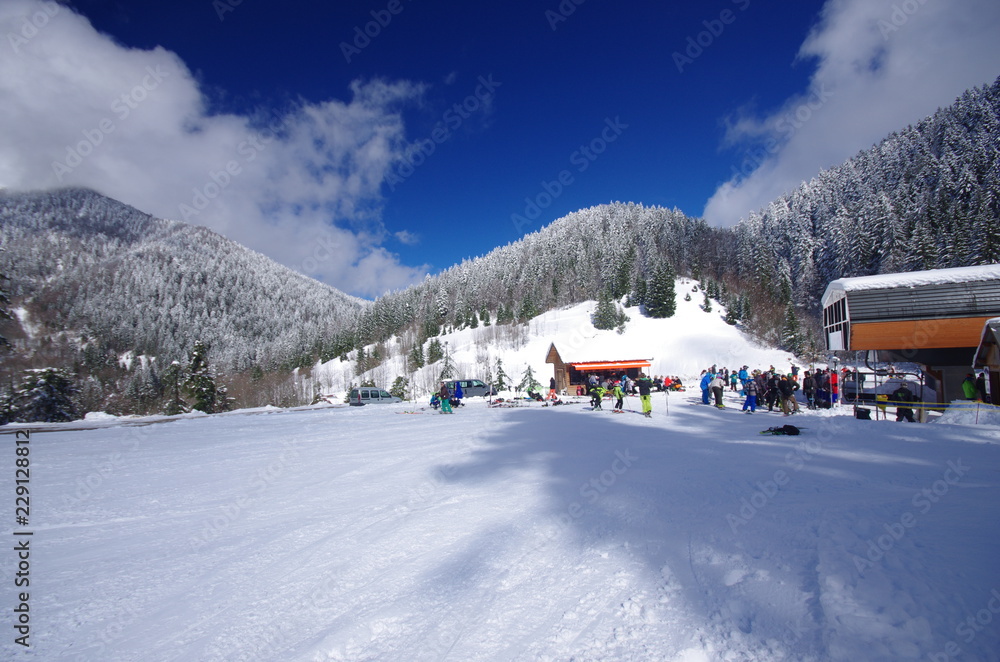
(782, 429)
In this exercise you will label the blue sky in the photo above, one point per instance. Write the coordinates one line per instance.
(369, 143)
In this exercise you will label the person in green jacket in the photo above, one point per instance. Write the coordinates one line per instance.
(969, 387)
(596, 395)
(619, 395)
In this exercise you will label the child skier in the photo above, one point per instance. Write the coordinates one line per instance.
(619, 396)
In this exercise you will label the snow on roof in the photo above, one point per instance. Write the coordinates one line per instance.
(990, 328)
(601, 349)
(837, 287)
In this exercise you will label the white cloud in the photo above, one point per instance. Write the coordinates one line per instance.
(302, 187)
(407, 238)
(880, 65)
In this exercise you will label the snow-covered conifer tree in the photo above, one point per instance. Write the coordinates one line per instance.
(45, 395)
(200, 382)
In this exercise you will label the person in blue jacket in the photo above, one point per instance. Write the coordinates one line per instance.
(706, 378)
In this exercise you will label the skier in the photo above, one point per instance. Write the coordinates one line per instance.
(619, 395)
(596, 396)
(787, 389)
(644, 384)
(771, 391)
(901, 397)
(809, 389)
(750, 389)
(445, 397)
(706, 379)
(552, 388)
(718, 386)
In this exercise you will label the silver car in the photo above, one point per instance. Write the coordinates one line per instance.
(369, 395)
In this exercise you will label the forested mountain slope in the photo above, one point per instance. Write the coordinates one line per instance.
(94, 267)
(926, 197)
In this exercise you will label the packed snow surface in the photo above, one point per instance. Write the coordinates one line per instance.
(523, 533)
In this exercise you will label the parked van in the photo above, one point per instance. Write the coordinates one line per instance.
(471, 387)
(369, 395)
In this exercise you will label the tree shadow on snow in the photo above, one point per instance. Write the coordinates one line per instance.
(736, 524)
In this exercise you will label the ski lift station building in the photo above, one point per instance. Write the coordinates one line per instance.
(934, 318)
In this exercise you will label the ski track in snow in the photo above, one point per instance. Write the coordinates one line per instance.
(527, 533)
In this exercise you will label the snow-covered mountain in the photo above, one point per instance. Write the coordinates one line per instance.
(926, 197)
(86, 266)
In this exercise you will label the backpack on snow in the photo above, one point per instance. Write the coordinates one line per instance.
(782, 429)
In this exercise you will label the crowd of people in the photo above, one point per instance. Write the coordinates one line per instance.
(771, 387)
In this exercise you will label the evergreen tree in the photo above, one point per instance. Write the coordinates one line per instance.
(361, 365)
(641, 295)
(4, 313)
(200, 382)
(415, 359)
(706, 305)
(528, 381)
(45, 395)
(501, 377)
(447, 367)
(8, 409)
(434, 351)
(791, 331)
(173, 381)
(605, 316)
(484, 315)
(399, 387)
(505, 315)
(661, 297)
(528, 309)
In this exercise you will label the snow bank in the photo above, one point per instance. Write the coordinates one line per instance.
(967, 412)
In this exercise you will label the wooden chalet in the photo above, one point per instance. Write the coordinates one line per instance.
(934, 318)
(574, 370)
